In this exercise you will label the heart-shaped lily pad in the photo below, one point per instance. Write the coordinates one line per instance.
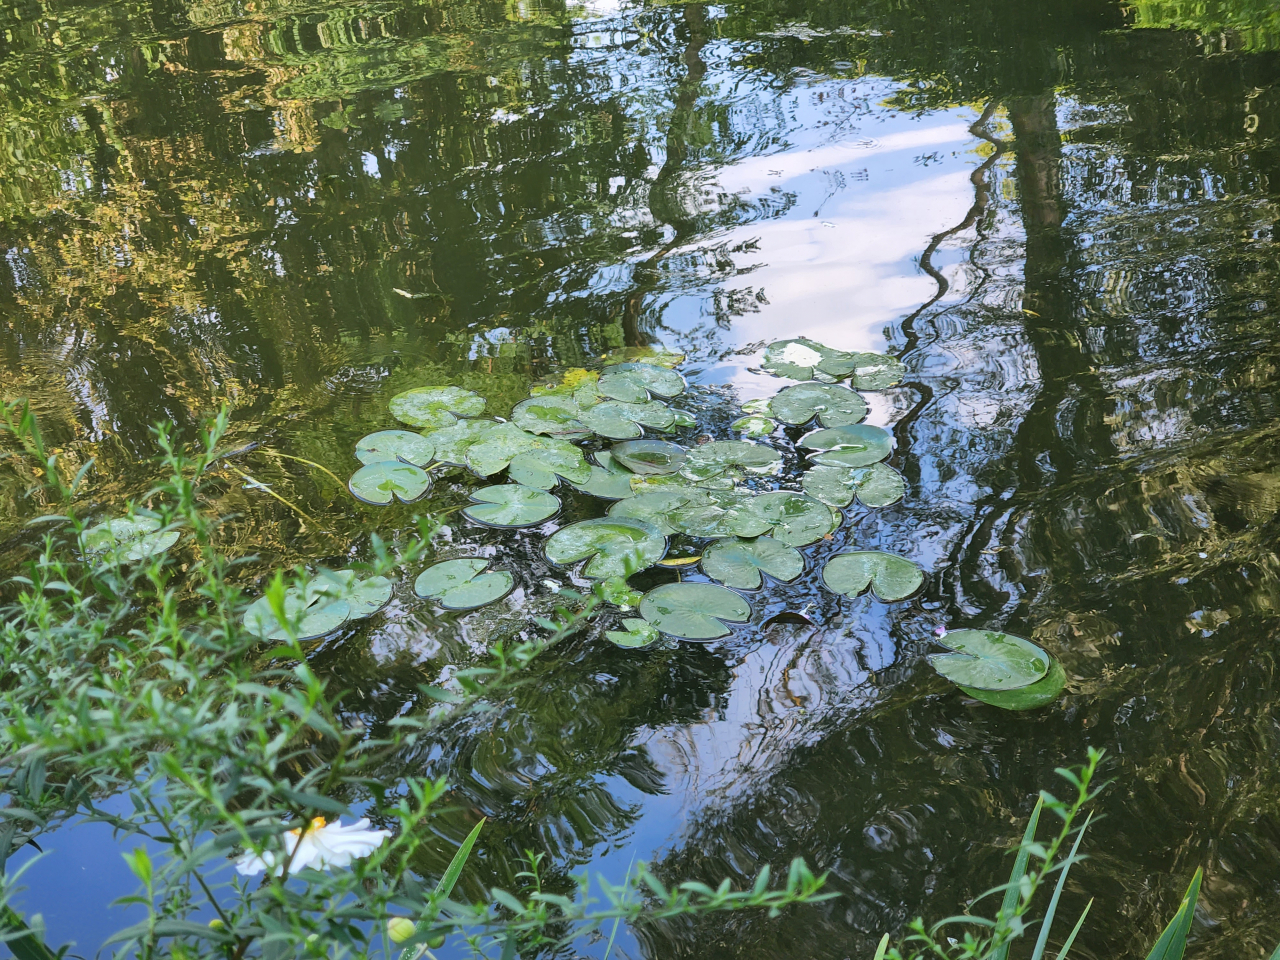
(738, 563)
(511, 505)
(366, 596)
(452, 443)
(694, 611)
(635, 382)
(875, 486)
(128, 539)
(719, 513)
(990, 660)
(649, 457)
(832, 404)
(623, 421)
(720, 457)
(754, 425)
(552, 414)
(889, 576)
(429, 408)
(380, 483)
(855, 445)
(609, 481)
(794, 518)
(1039, 694)
(638, 633)
(463, 584)
(655, 506)
(400, 445)
(805, 359)
(540, 457)
(314, 613)
(618, 546)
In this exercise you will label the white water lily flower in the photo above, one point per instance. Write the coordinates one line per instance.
(799, 355)
(321, 845)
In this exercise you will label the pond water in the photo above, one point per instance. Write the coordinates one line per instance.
(1064, 219)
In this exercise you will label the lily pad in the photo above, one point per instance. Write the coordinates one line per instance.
(315, 616)
(719, 457)
(128, 539)
(623, 421)
(649, 457)
(739, 563)
(618, 546)
(754, 426)
(463, 584)
(636, 382)
(540, 457)
(655, 506)
(638, 633)
(694, 611)
(659, 356)
(805, 359)
(832, 404)
(380, 483)
(511, 505)
(366, 596)
(429, 408)
(990, 660)
(855, 445)
(889, 576)
(552, 414)
(452, 443)
(795, 519)
(875, 486)
(719, 513)
(400, 445)
(684, 420)
(608, 481)
(1039, 694)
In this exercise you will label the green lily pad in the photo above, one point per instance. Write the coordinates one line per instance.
(875, 486)
(463, 584)
(658, 356)
(719, 457)
(990, 660)
(649, 457)
(795, 519)
(654, 506)
(805, 359)
(380, 483)
(694, 611)
(452, 443)
(429, 408)
(639, 633)
(739, 563)
(128, 539)
(684, 420)
(754, 426)
(758, 406)
(719, 513)
(623, 421)
(609, 481)
(618, 546)
(636, 382)
(539, 457)
(855, 445)
(832, 404)
(400, 445)
(511, 505)
(366, 596)
(889, 576)
(1039, 694)
(312, 609)
(551, 414)
(875, 371)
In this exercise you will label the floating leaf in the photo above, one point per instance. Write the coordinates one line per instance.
(463, 584)
(540, 457)
(694, 611)
(609, 481)
(636, 382)
(875, 486)
(738, 563)
(380, 483)
(719, 457)
(889, 576)
(856, 445)
(511, 505)
(659, 356)
(754, 426)
(568, 383)
(759, 407)
(314, 613)
(990, 660)
(128, 539)
(618, 546)
(1039, 694)
(617, 591)
(649, 457)
(551, 414)
(365, 596)
(412, 448)
(655, 506)
(804, 359)
(452, 443)
(832, 404)
(683, 419)
(875, 371)
(429, 408)
(622, 421)
(795, 519)
(639, 633)
(719, 513)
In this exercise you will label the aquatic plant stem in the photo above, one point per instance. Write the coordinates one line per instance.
(264, 487)
(310, 463)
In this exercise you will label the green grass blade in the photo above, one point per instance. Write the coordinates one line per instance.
(26, 945)
(1276, 955)
(445, 887)
(1042, 941)
(1173, 942)
(884, 948)
(1011, 893)
(1066, 947)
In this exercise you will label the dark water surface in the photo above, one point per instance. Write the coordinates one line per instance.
(1068, 228)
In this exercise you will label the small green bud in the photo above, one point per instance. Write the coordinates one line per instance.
(436, 941)
(217, 924)
(400, 929)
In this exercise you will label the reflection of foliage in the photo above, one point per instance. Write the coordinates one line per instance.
(1253, 24)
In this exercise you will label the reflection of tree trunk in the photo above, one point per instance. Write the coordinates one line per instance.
(664, 195)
